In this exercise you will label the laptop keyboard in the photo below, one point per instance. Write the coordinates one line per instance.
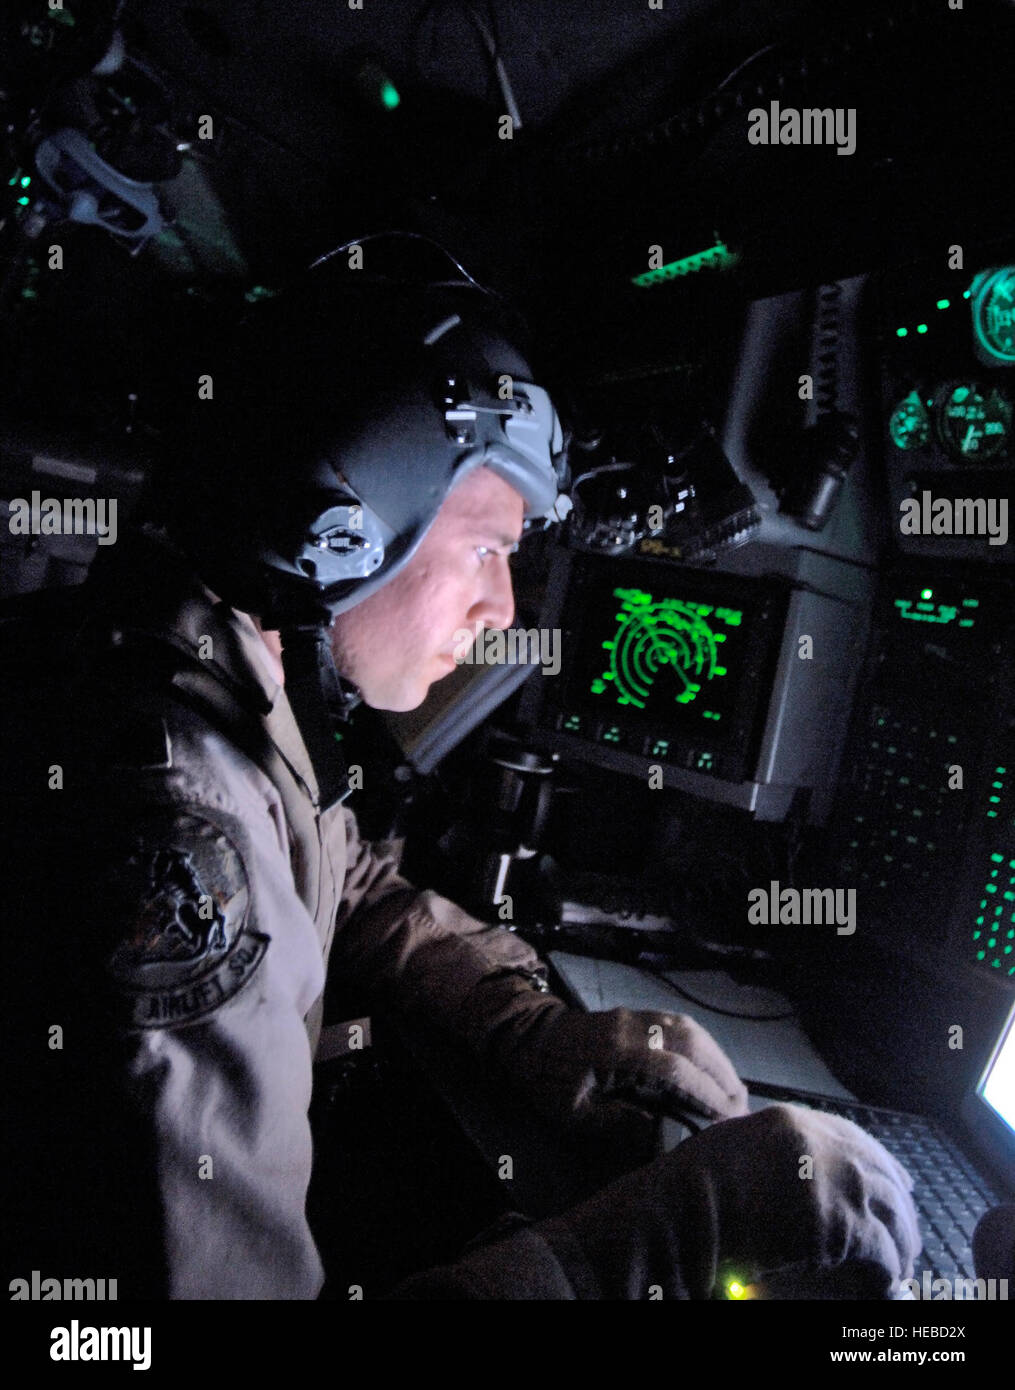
(949, 1194)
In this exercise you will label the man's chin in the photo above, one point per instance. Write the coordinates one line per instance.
(397, 702)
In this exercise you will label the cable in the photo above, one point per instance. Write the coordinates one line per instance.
(490, 41)
(409, 236)
(714, 1008)
(504, 305)
(780, 43)
(493, 49)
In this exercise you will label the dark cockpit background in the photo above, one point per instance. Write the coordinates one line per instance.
(752, 673)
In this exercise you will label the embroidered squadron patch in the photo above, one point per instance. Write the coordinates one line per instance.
(189, 947)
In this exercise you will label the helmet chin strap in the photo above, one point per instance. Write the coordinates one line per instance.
(322, 702)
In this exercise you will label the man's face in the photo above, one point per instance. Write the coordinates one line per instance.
(396, 643)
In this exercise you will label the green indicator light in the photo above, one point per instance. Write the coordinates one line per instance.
(992, 943)
(718, 257)
(991, 888)
(995, 799)
(26, 181)
(926, 593)
(944, 304)
(998, 786)
(23, 202)
(979, 921)
(981, 955)
(375, 86)
(977, 935)
(967, 294)
(735, 1290)
(997, 858)
(902, 332)
(921, 328)
(1000, 771)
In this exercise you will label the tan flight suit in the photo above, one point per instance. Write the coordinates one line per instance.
(234, 897)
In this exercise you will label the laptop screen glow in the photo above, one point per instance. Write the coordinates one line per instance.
(997, 1085)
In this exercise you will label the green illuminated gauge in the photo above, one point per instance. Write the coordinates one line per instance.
(994, 316)
(973, 423)
(910, 423)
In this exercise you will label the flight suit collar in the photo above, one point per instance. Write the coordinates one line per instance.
(151, 585)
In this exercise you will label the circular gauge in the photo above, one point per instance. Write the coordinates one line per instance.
(973, 423)
(994, 315)
(909, 425)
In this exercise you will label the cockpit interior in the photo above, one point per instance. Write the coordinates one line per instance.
(748, 751)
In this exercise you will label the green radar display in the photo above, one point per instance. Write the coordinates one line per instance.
(665, 655)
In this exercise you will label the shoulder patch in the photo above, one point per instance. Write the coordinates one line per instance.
(188, 947)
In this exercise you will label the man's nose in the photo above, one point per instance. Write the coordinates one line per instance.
(496, 605)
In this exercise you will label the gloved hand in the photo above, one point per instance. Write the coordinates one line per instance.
(605, 1070)
(736, 1201)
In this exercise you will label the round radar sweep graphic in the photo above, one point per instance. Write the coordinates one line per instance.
(661, 650)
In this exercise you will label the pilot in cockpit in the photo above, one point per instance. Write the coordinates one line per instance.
(343, 510)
